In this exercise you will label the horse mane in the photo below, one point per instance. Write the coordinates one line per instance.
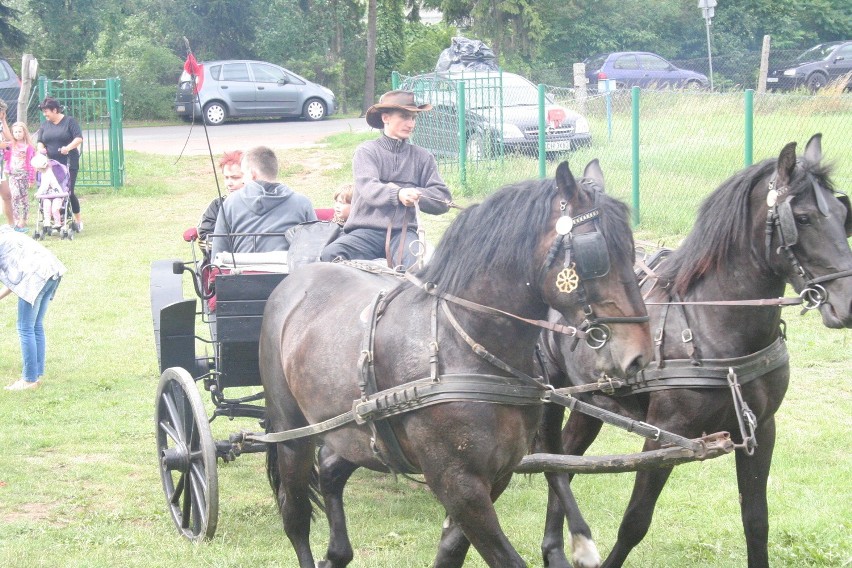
(724, 224)
(504, 231)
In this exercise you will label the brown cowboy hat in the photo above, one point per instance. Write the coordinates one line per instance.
(393, 100)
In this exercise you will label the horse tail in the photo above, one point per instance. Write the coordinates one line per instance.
(274, 477)
(272, 473)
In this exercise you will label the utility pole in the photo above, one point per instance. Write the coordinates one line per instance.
(708, 11)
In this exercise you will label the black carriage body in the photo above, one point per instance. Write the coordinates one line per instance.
(234, 326)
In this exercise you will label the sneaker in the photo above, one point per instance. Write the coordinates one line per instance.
(80, 227)
(21, 384)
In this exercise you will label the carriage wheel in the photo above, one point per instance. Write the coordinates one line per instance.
(187, 456)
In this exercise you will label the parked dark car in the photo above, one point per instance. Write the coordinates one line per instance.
(251, 89)
(815, 68)
(501, 116)
(640, 69)
(10, 88)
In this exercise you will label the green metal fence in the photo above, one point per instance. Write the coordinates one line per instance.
(97, 106)
(664, 151)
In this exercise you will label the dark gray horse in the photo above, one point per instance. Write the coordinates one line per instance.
(321, 338)
(776, 222)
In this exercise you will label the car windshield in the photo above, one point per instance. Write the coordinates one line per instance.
(517, 91)
(817, 52)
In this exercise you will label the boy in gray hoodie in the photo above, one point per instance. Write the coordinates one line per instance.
(262, 206)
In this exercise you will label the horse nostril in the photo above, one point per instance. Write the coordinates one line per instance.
(636, 365)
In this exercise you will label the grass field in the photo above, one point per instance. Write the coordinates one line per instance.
(79, 484)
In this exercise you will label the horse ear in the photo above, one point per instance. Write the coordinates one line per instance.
(565, 181)
(593, 170)
(813, 149)
(786, 165)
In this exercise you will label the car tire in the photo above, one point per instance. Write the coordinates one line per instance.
(816, 81)
(215, 113)
(692, 86)
(314, 109)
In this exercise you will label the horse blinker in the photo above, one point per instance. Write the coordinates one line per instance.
(591, 255)
(787, 223)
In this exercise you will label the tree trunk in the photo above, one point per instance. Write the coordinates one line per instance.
(370, 68)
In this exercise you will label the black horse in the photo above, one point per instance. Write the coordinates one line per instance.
(328, 333)
(775, 222)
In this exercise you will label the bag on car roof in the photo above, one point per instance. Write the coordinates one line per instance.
(467, 55)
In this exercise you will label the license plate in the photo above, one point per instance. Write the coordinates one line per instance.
(557, 145)
(772, 79)
(181, 108)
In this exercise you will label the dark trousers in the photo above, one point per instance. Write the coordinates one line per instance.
(369, 244)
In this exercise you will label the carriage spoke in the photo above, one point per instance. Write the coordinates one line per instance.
(174, 416)
(174, 499)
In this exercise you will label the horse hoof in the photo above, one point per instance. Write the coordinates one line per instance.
(585, 553)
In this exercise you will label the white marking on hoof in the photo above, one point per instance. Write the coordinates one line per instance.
(584, 552)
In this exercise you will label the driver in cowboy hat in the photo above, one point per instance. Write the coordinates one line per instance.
(392, 179)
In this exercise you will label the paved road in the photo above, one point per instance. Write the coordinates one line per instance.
(277, 134)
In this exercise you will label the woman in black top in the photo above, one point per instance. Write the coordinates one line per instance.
(60, 137)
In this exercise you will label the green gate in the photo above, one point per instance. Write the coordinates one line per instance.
(97, 106)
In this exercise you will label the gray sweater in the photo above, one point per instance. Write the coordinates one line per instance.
(381, 168)
(260, 207)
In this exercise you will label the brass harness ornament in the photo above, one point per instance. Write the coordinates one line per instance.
(567, 280)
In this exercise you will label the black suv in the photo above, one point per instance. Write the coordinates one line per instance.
(10, 87)
(815, 68)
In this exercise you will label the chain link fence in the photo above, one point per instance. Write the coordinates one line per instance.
(661, 151)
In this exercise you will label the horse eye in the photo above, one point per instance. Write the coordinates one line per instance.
(803, 220)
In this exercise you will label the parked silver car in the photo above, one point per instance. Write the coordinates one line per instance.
(251, 89)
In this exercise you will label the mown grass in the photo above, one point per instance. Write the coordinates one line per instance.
(79, 485)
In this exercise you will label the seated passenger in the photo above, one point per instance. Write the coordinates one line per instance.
(262, 206)
(229, 163)
(342, 204)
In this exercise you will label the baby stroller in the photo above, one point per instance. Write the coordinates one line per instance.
(53, 184)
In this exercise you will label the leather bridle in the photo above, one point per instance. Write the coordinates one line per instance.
(592, 261)
(781, 223)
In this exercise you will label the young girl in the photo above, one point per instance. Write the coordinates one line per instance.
(52, 189)
(21, 173)
(342, 204)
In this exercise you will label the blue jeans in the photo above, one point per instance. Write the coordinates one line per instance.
(31, 330)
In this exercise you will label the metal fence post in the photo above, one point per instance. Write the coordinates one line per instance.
(634, 96)
(116, 132)
(394, 80)
(749, 127)
(542, 153)
(462, 133)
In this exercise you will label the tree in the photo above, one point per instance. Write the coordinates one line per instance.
(370, 67)
(10, 35)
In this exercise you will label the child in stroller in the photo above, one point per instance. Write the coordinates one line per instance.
(53, 194)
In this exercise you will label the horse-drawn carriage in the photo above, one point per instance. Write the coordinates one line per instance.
(438, 372)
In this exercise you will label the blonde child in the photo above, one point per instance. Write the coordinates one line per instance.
(21, 174)
(52, 188)
(342, 204)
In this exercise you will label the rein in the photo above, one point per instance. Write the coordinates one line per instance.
(432, 290)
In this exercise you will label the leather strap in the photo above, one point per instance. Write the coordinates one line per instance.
(429, 288)
(712, 373)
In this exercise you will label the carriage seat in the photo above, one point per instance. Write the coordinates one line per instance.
(250, 262)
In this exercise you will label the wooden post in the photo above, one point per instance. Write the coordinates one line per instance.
(29, 71)
(580, 89)
(764, 66)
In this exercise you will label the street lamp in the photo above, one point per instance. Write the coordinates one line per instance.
(707, 11)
